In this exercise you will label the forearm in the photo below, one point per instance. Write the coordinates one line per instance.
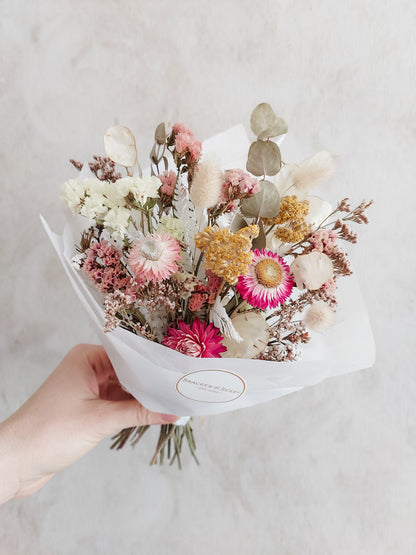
(9, 472)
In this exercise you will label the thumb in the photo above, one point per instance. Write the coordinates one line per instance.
(117, 415)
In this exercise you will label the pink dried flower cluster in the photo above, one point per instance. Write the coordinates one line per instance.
(186, 143)
(103, 265)
(205, 294)
(323, 240)
(237, 184)
(168, 179)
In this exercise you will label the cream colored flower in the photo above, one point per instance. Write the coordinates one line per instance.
(117, 219)
(173, 226)
(72, 193)
(319, 316)
(94, 206)
(144, 188)
(311, 270)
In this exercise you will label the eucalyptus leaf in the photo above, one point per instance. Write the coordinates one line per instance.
(237, 223)
(264, 122)
(264, 204)
(263, 158)
(160, 133)
(260, 241)
(120, 146)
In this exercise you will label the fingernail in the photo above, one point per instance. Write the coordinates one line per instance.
(169, 418)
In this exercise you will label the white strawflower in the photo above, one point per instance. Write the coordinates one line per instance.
(94, 206)
(319, 316)
(173, 226)
(117, 219)
(72, 192)
(311, 270)
(206, 186)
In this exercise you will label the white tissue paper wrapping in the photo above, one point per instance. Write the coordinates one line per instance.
(164, 380)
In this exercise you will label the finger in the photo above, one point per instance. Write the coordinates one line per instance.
(116, 415)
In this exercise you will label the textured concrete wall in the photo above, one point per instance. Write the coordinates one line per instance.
(329, 470)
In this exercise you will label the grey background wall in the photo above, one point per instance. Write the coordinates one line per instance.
(329, 470)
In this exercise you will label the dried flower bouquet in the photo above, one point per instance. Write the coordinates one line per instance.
(211, 262)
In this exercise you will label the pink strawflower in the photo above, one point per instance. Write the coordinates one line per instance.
(186, 143)
(268, 282)
(237, 184)
(168, 179)
(154, 257)
(104, 267)
(323, 240)
(197, 340)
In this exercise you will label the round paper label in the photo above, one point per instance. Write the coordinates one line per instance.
(211, 386)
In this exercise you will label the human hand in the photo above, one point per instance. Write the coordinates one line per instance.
(78, 405)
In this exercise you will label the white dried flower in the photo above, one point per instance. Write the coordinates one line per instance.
(253, 330)
(94, 206)
(72, 193)
(142, 188)
(311, 270)
(206, 186)
(77, 260)
(173, 226)
(319, 316)
(117, 219)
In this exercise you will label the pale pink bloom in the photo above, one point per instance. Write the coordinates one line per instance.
(237, 184)
(186, 143)
(323, 240)
(197, 340)
(311, 270)
(319, 316)
(154, 257)
(268, 282)
(168, 179)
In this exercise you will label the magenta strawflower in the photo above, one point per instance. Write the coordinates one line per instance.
(268, 282)
(197, 340)
(154, 257)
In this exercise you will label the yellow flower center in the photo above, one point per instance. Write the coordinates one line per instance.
(268, 272)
